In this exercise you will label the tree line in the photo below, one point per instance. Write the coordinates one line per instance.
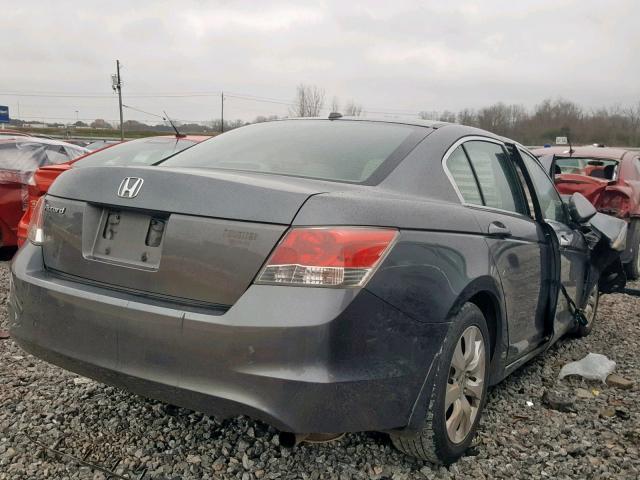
(549, 119)
(540, 125)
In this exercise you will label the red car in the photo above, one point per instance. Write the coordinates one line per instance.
(20, 156)
(610, 179)
(140, 152)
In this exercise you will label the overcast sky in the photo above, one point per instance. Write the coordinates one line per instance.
(390, 56)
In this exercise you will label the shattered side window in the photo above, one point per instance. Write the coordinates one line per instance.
(56, 155)
(18, 160)
(72, 153)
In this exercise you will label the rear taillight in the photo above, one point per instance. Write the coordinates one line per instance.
(614, 203)
(327, 256)
(35, 232)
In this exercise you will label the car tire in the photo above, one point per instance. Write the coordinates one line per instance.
(434, 441)
(591, 312)
(633, 267)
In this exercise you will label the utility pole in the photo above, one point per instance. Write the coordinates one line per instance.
(221, 112)
(116, 84)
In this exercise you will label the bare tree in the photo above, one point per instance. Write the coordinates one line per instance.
(633, 114)
(100, 123)
(494, 118)
(429, 115)
(468, 117)
(308, 102)
(335, 104)
(263, 118)
(353, 109)
(447, 116)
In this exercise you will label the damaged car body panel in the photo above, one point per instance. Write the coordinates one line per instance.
(610, 179)
(322, 275)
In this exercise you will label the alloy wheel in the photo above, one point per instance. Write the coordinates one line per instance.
(465, 385)
(590, 307)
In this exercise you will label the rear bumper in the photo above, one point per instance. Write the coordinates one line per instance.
(302, 359)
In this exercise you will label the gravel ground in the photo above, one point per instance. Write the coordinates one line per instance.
(54, 424)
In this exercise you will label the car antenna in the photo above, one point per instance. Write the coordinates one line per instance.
(178, 134)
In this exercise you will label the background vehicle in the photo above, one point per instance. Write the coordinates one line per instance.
(20, 156)
(100, 144)
(140, 152)
(610, 179)
(321, 275)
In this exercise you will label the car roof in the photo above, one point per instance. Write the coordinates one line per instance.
(382, 119)
(590, 151)
(462, 130)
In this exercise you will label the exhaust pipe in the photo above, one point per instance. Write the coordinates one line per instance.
(290, 440)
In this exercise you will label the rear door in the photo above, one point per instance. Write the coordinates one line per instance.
(487, 182)
(572, 246)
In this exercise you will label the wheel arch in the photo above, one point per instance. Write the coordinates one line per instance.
(485, 293)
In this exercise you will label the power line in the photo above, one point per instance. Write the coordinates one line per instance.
(218, 94)
(142, 111)
(241, 96)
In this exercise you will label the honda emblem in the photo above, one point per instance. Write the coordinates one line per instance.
(130, 187)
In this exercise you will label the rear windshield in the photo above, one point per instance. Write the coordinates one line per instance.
(591, 167)
(141, 152)
(348, 151)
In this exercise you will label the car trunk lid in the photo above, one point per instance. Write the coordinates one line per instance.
(187, 234)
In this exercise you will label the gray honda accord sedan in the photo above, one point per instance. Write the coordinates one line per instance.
(323, 275)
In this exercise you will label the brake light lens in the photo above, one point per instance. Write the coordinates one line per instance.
(35, 233)
(327, 256)
(614, 203)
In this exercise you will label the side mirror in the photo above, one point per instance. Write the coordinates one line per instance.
(581, 209)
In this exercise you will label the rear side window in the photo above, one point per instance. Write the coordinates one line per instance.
(496, 181)
(460, 170)
(341, 150)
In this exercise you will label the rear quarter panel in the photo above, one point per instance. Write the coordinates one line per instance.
(439, 261)
(440, 258)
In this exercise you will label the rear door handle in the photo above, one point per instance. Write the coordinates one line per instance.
(564, 240)
(498, 229)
